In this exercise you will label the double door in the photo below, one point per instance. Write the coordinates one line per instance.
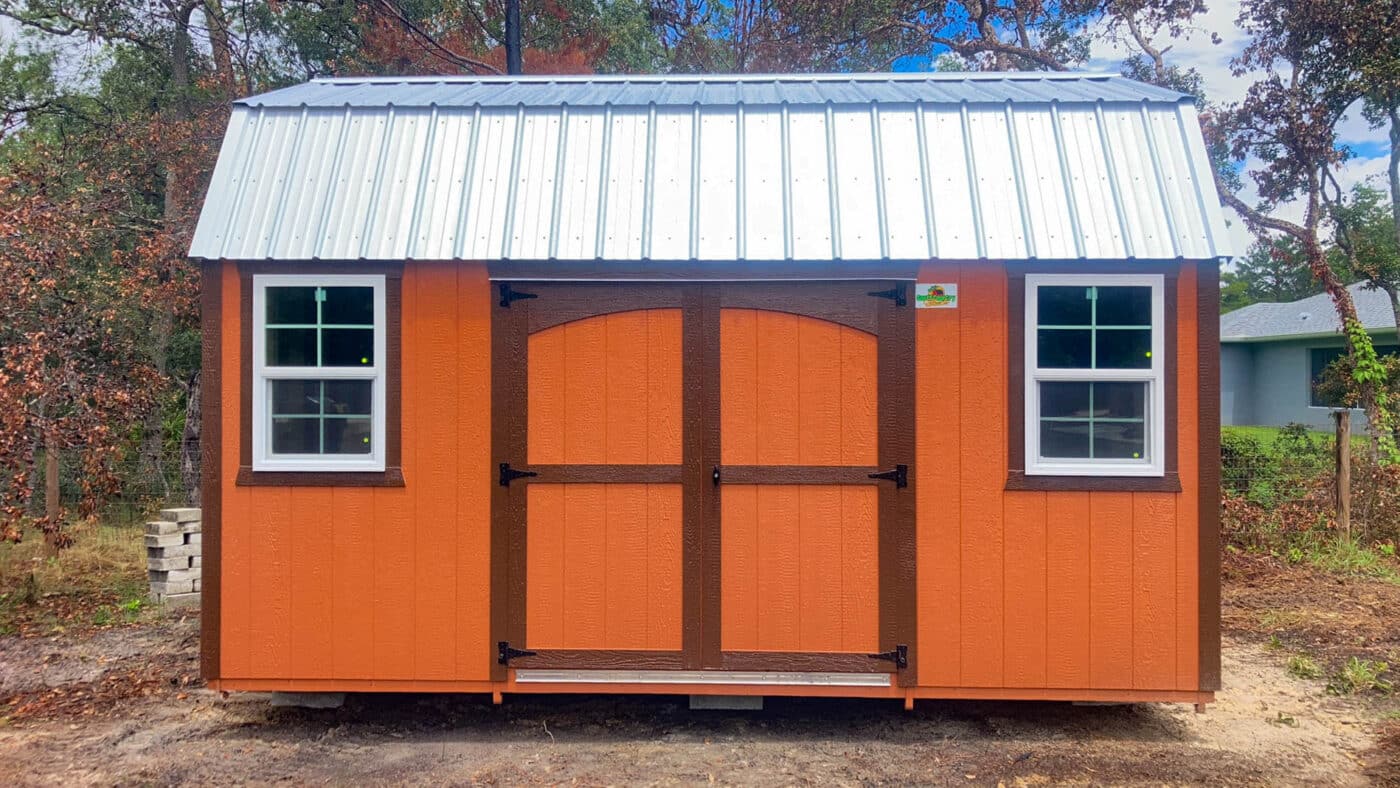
(703, 477)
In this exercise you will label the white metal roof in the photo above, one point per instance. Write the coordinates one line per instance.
(715, 168)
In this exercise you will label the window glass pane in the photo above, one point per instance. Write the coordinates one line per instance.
(1063, 349)
(1124, 306)
(1120, 400)
(1118, 440)
(1059, 400)
(1063, 306)
(347, 436)
(1064, 439)
(347, 347)
(348, 396)
(1124, 349)
(350, 306)
(295, 396)
(291, 347)
(296, 436)
(291, 305)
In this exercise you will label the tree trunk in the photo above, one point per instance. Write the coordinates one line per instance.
(219, 47)
(53, 503)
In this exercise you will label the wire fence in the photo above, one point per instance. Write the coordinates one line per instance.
(144, 485)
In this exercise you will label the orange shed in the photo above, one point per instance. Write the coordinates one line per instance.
(878, 385)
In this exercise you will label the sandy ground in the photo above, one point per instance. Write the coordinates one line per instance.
(120, 706)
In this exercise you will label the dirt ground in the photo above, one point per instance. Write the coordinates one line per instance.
(122, 705)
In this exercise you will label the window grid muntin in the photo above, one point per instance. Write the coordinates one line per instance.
(320, 416)
(1154, 439)
(263, 457)
(320, 327)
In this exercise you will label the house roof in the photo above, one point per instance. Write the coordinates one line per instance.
(1311, 316)
(714, 168)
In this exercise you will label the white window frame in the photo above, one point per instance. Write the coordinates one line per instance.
(1154, 408)
(263, 375)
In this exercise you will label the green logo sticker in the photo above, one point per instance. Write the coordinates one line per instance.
(936, 295)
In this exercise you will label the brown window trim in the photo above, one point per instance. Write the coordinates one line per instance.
(392, 475)
(1016, 477)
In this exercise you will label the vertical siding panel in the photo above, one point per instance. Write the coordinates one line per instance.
(547, 402)
(1154, 590)
(271, 582)
(1187, 517)
(1024, 514)
(860, 570)
(859, 398)
(938, 456)
(473, 483)
(1111, 590)
(394, 571)
(352, 552)
(778, 390)
(544, 570)
(585, 564)
(434, 384)
(819, 567)
(311, 582)
(236, 537)
(626, 387)
(739, 562)
(663, 566)
(819, 394)
(585, 394)
(779, 601)
(663, 429)
(625, 555)
(983, 470)
(1067, 590)
(738, 419)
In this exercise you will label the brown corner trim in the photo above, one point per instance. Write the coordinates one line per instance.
(211, 483)
(1018, 480)
(392, 476)
(1208, 440)
(1016, 381)
(389, 477)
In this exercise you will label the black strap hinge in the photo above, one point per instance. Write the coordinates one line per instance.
(900, 475)
(900, 656)
(510, 295)
(504, 653)
(509, 474)
(895, 294)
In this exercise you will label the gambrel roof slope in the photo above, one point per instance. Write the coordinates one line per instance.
(714, 168)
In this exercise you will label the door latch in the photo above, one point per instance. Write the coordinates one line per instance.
(899, 656)
(899, 475)
(508, 474)
(504, 653)
(714, 475)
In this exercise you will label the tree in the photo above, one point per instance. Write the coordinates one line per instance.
(1367, 246)
(1287, 123)
(1273, 270)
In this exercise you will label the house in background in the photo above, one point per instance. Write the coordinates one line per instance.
(1272, 355)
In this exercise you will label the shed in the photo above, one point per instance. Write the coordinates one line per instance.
(881, 385)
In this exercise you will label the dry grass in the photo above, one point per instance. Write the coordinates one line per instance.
(99, 581)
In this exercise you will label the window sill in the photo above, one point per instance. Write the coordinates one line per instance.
(1018, 480)
(389, 477)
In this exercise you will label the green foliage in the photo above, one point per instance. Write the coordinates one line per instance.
(1361, 675)
(1302, 666)
(1274, 270)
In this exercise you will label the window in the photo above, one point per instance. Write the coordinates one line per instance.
(318, 373)
(1319, 358)
(1095, 404)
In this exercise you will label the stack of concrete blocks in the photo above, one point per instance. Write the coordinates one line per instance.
(172, 556)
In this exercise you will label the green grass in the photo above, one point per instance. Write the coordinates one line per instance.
(1267, 436)
(1344, 556)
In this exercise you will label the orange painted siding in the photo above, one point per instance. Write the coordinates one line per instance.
(1020, 594)
(1041, 590)
(383, 583)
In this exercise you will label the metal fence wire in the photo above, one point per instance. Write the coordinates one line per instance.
(144, 485)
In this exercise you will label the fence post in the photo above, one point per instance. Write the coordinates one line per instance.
(1343, 418)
